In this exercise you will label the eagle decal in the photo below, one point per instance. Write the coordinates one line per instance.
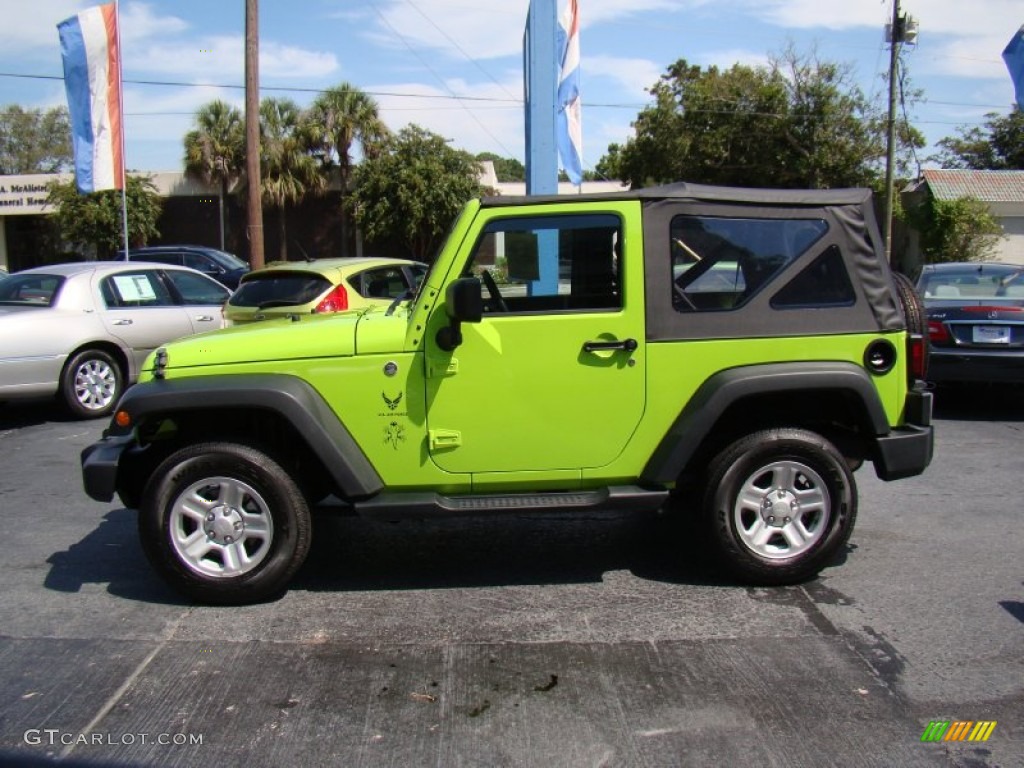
(392, 404)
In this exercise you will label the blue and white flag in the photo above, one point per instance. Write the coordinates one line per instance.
(92, 79)
(1013, 55)
(570, 128)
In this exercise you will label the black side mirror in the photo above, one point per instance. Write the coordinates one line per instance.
(464, 303)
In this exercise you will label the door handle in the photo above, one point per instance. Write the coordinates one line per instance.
(123, 322)
(204, 318)
(625, 345)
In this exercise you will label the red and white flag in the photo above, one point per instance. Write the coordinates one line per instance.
(89, 46)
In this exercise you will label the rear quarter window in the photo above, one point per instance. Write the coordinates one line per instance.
(719, 263)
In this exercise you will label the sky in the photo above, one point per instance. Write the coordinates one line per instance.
(455, 66)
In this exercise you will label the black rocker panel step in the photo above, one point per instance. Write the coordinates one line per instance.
(395, 506)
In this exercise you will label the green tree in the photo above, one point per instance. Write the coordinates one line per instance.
(339, 119)
(999, 146)
(800, 122)
(413, 190)
(94, 220)
(954, 230)
(215, 150)
(505, 168)
(289, 171)
(33, 141)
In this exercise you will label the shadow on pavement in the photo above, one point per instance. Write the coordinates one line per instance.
(980, 402)
(356, 554)
(109, 555)
(16, 415)
(350, 553)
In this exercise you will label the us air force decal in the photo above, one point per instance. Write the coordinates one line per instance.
(394, 430)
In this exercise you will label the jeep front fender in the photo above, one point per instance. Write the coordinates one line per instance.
(289, 397)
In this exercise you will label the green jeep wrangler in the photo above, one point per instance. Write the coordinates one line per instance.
(732, 355)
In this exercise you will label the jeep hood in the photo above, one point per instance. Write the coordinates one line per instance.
(285, 339)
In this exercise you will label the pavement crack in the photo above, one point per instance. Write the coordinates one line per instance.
(116, 696)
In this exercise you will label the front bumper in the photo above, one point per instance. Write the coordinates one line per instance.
(906, 451)
(99, 466)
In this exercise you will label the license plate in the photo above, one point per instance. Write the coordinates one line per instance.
(991, 334)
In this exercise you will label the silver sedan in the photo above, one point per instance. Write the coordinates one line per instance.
(81, 331)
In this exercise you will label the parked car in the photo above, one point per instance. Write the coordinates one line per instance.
(321, 285)
(81, 331)
(975, 321)
(224, 267)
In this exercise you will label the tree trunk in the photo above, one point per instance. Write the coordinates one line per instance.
(223, 194)
(344, 212)
(283, 232)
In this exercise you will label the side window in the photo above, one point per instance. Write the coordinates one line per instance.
(196, 290)
(822, 283)
(718, 263)
(128, 290)
(197, 261)
(381, 283)
(553, 263)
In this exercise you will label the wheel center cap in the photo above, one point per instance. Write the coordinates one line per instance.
(779, 508)
(224, 525)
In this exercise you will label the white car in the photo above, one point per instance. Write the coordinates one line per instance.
(81, 330)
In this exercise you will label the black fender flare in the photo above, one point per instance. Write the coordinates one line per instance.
(292, 398)
(723, 389)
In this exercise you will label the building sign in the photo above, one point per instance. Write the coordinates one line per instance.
(26, 195)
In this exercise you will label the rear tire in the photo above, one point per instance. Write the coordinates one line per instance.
(913, 310)
(224, 523)
(779, 504)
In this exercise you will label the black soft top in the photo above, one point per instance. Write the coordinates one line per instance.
(683, 191)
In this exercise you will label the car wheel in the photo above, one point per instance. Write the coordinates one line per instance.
(779, 503)
(91, 384)
(224, 523)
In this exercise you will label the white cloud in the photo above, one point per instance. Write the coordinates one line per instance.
(474, 126)
(485, 30)
(222, 58)
(23, 31)
(140, 22)
(636, 75)
(954, 39)
(726, 59)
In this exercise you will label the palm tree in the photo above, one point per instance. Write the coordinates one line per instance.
(289, 172)
(338, 119)
(215, 149)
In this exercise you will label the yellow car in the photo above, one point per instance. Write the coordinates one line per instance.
(321, 285)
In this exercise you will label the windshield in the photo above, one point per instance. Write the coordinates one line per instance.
(426, 277)
(35, 290)
(227, 260)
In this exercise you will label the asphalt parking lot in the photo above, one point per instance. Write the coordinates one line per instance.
(537, 641)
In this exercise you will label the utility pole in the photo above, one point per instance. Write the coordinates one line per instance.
(903, 29)
(252, 132)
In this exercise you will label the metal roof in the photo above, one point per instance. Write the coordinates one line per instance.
(987, 186)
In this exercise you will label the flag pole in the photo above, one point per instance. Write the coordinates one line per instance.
(120, 107)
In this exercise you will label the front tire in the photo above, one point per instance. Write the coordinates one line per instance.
(91, 384)
(224, 523)
(779, 504)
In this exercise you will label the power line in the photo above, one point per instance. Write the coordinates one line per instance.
(439, 79)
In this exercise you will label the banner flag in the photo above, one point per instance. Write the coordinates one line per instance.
(92, 79)
(570, 128)
(1013, 55)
